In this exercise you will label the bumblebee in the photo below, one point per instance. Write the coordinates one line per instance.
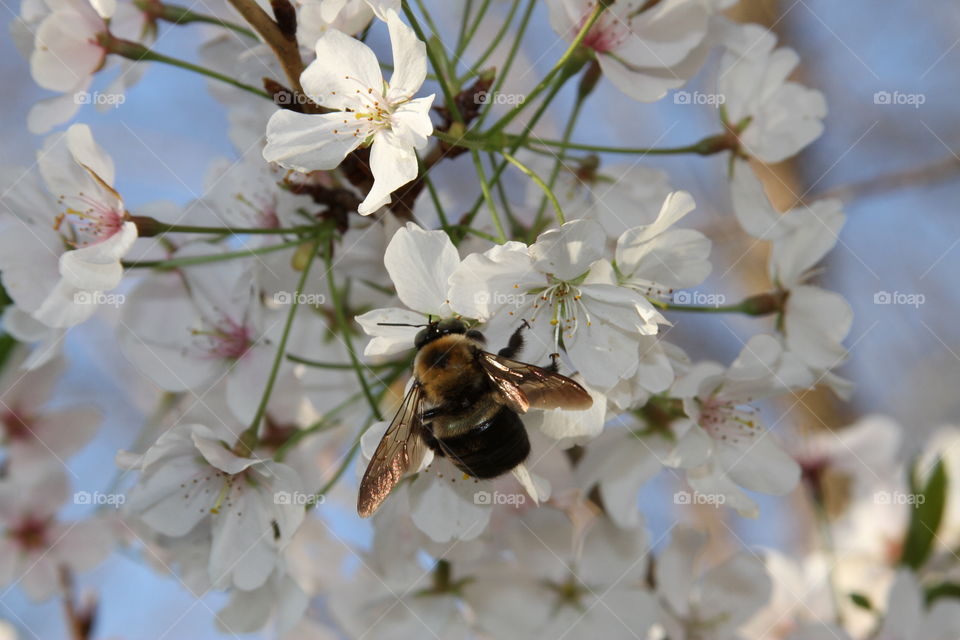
(465, 405)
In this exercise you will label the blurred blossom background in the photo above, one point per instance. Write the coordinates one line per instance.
(890, 152)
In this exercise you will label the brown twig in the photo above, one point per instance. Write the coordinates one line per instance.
(939, 171)
(80, 619)
(284, 46)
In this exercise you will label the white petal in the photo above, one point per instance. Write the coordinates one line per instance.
(344, 74)
(485, 282)
(392, 166)
(735, 590)
(409, 58)
(675, 567)
(87, 153)
(420, 263)
(568, 252)
(389, 340)
(308, 142)
(445, 508)
(815, 323)
(97, 266)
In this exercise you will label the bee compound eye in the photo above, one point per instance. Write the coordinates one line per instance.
(421, 338)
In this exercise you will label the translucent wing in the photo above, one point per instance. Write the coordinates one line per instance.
(400, 450)
(525, 385)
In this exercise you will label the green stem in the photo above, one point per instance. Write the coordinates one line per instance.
(476, 67)
(584, 90)
(464, 20)
(464, 42)
(558, 67)
(547, 192)
(175, 263)
(498, 171)
(249, 438)
(177, 14)
(344, 325)
(138, 53)
(488, 196)
(762, 304)
(439, 66)
(511, 57)
(149, 226)
(347, 459)
(335, 365)
(705, 147)
(829, 547)
(670, 306)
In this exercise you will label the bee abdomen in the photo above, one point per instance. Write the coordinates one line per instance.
(492, 448)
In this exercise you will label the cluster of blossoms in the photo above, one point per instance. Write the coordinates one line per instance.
(273, 320)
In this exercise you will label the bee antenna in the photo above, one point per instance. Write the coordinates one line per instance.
(400, 324)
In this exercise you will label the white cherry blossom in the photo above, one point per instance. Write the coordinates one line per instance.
(644, 48)
(713, 604)
(775, 118)
(563, 288)
(91, 232)
(725, 427)
(346, 78)
(190, 477)
(419, 263)
(35, 546)
(36, 437)
(814, 321)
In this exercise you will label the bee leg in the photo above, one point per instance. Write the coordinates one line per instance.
(554, 365)
(515, 343)
(446, 409)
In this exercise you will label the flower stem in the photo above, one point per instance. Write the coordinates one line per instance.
(466, 39)
(547, 192)
(137, 52)
(175, 263)
(249, 438)
(284, 48)
(488, 196)
(478, 64)
(588, 81)
(439, 66)
(558, 68)
(511, 57)
(708, 146)
(344, 326)
(150, 227)
(762, 304)
(335, 365)
(177, 14)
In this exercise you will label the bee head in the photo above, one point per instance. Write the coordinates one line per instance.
(438, 329)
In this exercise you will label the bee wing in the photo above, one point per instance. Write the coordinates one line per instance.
(400, 450)
(525, 385)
